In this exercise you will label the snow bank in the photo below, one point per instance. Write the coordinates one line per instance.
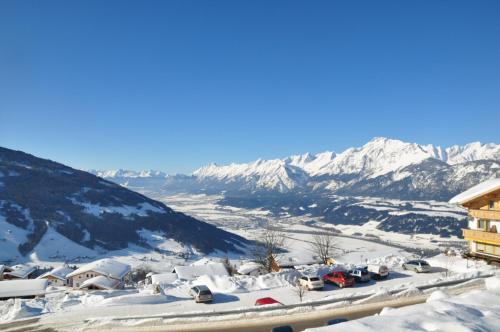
(472, 311)
(243, 284)
(457, 264)
(493, 283)
(17, 309)
(132, 299)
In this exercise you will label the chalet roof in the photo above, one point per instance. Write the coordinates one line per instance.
(23, 287)
(59, 273)
(479, 190)
(20, 271)
(100, 282)
(106, 266)
(193, 272)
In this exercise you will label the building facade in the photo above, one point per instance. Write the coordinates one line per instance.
(483, 205)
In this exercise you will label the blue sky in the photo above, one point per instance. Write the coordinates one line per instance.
(173, 85)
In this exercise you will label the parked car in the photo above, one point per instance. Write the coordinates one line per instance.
(339, 278)
(284, 328)
(266, 301)
(336, 321)
(378, 271)
(311, 283)
(360, 274)
(201, 294)
(418, 265)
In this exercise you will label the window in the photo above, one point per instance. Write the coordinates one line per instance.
(483, 224)
(489, 249)
(480, 247)
(492, 205)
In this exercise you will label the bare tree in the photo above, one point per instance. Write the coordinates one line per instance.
(322, 246)
(268, 248)
(299, 290)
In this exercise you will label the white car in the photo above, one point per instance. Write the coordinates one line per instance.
(417, 266)
(201, 294)
(311, 282)
(378, 271)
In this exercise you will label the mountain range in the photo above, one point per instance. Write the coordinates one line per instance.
(39, 196)
(405, 179)
(381, 168)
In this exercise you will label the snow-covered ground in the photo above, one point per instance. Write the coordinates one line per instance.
(472, 311)
(63, 305)
(208, 208)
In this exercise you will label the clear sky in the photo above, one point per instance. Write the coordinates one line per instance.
(173, 85)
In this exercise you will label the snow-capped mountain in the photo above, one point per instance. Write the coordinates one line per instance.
(123, 173)
(40, 198)
(259, 175)
(379, 168)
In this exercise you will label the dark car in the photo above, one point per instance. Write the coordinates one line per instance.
(284, 328)
(336, 321)
(360, 274)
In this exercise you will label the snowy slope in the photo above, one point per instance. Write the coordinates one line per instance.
(45, 205)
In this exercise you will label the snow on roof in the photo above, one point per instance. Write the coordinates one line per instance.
(246, 268)
(476, 191)
(23, 287)
(203, 261)
(163, 278)
(193, 272)
(106, 266)
(20, 271)
(100, 282)
(59, 272)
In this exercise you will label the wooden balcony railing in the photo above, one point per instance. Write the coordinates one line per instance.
(481, 236)
(485, 214)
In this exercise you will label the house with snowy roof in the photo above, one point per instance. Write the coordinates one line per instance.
(194, 271)
(101, 274)
(58, 276)
(483, 204)
(19, 272)
(22, 288)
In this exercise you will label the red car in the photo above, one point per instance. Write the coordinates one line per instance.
(339, 278)
(266, 301)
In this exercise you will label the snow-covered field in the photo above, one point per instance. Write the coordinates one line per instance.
(207, 208)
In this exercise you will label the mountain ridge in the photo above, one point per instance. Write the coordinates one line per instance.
(329, 171)
(37, 195)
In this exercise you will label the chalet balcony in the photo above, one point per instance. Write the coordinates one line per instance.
(482, 236)
(485, 214)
